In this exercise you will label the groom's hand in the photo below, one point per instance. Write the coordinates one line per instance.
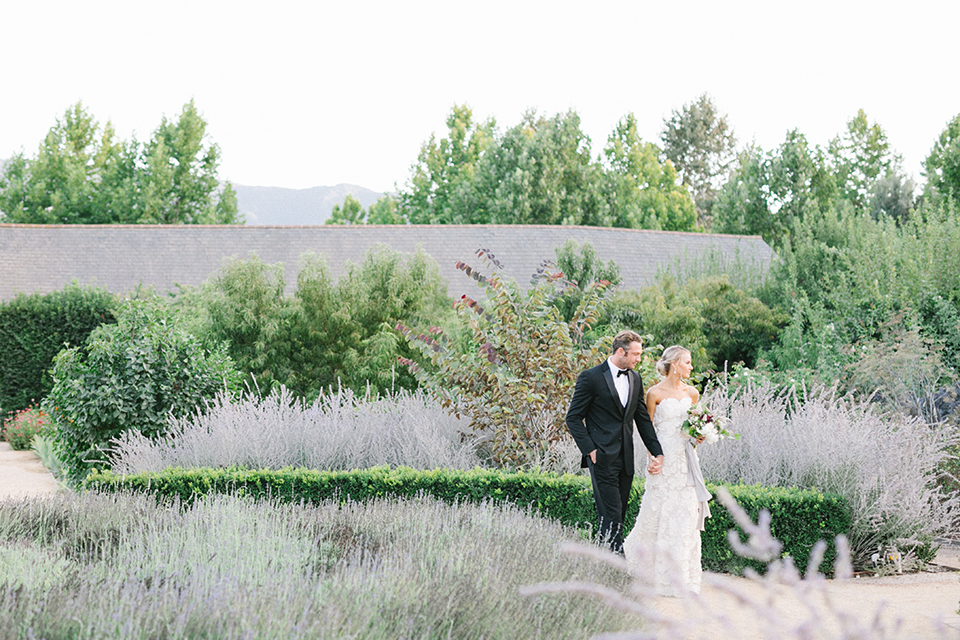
(655, 465)
(593, 456)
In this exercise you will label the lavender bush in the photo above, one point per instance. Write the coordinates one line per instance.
(339, 431)
(122, 566)
(886, 465)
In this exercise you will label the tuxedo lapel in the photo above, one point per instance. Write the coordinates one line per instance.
(632, 395)
(614, 396)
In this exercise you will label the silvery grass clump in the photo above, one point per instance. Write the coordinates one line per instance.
(339, 431)
(886, 465)
(123, 566)
(817, 616)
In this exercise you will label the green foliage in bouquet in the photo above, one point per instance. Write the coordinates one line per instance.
(515, 379)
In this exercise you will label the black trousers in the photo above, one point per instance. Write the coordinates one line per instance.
(611, 492)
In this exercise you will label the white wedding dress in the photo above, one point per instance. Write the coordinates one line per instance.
(663, 548)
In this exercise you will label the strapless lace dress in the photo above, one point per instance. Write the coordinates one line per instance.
(663, 548)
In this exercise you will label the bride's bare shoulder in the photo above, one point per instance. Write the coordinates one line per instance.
(693, 393)
(655, 393)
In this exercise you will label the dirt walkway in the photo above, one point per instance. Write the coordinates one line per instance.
(22, 474)
(920, 605)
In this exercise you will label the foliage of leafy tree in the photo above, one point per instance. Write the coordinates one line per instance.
(246, 309)
(34, 328)
(541, 171)
(386, 210)
(767, 194)
(700, 143)
(717, 322)
(180, 185)
(330, 333)
(860, 157)
(515, 381)
(642, 192)
(83, 175)
(130, 375)
(383, 211)
(842, 279)
(580, 265)
(942, 167)
(892, 196)
(738, 327)
(443, 185)
(351, 213)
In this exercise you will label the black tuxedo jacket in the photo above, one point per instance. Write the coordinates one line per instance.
(597, 420)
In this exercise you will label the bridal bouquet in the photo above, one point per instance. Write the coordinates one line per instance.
(701, 422)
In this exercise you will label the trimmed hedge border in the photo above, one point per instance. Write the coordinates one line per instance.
(799, 517)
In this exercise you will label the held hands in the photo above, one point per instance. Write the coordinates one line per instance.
(653, 468)
(655, 465)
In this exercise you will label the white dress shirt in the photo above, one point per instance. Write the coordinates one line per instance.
(622, 383)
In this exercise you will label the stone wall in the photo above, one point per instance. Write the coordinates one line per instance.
(43, 258)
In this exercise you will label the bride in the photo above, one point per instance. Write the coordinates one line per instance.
(663, 549)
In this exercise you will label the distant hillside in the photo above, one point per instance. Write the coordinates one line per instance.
(278, 206)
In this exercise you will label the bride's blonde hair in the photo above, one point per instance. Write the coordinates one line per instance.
(669, 356)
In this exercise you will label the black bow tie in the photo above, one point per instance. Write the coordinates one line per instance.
(621, 372)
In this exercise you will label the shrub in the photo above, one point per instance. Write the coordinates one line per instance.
(330, 334)
(515, 380)
(802, 517)
(44, 448)
(580, 265)
(717, 322)
(884, 465)
(34, 328)
(336, 431)
(20, 429)
(130, 376)
(902, 370)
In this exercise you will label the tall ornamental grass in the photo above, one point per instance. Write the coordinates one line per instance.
(886, 465)
(338, 431)
(124, 566)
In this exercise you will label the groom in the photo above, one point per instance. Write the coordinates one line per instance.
(607, 401)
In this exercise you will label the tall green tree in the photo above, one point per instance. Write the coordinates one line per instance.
(700, 143)
(860, 157)
(442, 188)
(891, 196)
(642, 192)
(351, 213)
(541, 172)
(181, 184)
(942, 167)
(769, 192)
(82, 174)
(386, 210)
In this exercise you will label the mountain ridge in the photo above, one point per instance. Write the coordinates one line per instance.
(262, 206)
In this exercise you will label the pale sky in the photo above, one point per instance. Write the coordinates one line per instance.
(311, 93)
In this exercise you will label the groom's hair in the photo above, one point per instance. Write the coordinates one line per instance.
(624, 339)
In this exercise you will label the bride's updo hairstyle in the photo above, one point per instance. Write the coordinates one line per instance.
(670, 355)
